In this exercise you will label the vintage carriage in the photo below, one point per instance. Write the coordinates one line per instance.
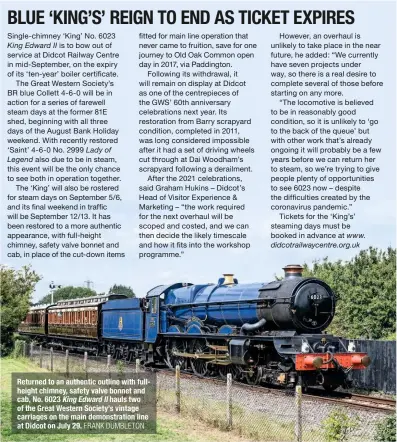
(35, 321)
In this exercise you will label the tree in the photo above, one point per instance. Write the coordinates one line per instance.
(365, 288)
(68, 292)
(16, 291)
(119, 289)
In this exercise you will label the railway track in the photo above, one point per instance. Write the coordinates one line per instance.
(357, 401)
(346, 399)
(350, 400)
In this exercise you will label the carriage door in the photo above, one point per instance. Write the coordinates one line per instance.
(152, 319)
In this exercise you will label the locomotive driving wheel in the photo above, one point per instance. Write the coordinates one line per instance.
(199, 366)
(224, 370)
(172, 360)
(253, 376)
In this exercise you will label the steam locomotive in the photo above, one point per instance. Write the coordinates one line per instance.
(262, 332)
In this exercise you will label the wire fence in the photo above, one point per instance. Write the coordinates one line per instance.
(253, 413)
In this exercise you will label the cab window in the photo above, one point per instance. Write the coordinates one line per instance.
(154, 305)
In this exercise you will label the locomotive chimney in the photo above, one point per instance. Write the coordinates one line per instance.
(293, 271)
(228, 278)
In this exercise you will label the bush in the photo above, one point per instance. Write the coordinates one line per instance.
(18, 349)
(338, 425)
(120, 368)
(386, 429)
(7, 342)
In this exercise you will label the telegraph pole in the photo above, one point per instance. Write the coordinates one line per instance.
(88, 282)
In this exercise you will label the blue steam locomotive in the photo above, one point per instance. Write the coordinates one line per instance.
(263, 332)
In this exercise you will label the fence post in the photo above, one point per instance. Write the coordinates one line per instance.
(229, 422)
(298, 406)
(31, 351)
(137, 365)
(67, 363)
(41, 356)
(24, 349)
(178, 388)
(108, 365)
(85, 363)
(51, 359)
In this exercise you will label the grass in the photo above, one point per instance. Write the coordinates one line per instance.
(201, 419)
(169, 427)
(248, 424)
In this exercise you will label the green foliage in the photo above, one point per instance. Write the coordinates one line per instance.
(120, 366)
(338, 425)
(18, 349)
(391, 336)
(119, 289)
(16, 288)
(68, 292)
(386, 429)
(366, 290)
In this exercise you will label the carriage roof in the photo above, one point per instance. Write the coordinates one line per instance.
(35, 308)
(92, 301)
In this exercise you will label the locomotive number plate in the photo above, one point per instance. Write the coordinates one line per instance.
(316, 296)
